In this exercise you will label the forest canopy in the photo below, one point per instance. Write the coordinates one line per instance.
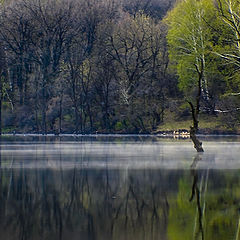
(118, 66)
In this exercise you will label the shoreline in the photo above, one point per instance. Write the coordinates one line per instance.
(117, 135)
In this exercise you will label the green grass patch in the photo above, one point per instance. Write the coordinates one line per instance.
(211, 122)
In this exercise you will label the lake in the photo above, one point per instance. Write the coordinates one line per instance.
(119, 187)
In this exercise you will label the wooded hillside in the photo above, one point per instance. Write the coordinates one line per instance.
(117, 66)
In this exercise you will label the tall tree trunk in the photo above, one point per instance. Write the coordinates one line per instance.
(2, 76)
(44, 110)
(44, 117)
(1, 111)
(76, 112)
(60, 115)
(36, 119)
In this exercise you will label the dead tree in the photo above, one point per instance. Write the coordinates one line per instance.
(195, 112)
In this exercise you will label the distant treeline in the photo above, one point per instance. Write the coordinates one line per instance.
(99, 65)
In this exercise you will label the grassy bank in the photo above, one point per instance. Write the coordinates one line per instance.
(208, 124)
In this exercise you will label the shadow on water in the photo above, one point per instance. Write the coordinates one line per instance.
(115, 203)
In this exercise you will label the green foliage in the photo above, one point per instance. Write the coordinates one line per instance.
(228, 47)
(67, 118)
(8, 130)
(90, 67)
(189, 38)
(119, 126)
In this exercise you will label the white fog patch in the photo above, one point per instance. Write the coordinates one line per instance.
(113, 155)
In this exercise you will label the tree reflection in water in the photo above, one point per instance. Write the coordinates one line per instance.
(83, 204)
(108, 203)
(199, 192)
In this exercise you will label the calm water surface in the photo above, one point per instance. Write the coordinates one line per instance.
(119, 188)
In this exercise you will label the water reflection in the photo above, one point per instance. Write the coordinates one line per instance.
(198, 192)
(50, 201)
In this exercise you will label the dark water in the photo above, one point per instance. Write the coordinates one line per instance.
(119, 188)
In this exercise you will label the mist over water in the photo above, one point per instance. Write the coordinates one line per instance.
(119, 188)
(177, 154)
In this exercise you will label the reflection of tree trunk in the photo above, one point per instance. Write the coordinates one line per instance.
(238, 227)
(10, 180)
(1, 174)
(58, 215)
(198, 194)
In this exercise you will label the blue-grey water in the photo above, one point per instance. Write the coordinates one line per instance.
(119, 187)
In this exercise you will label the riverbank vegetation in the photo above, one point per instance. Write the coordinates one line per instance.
(119, 66)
